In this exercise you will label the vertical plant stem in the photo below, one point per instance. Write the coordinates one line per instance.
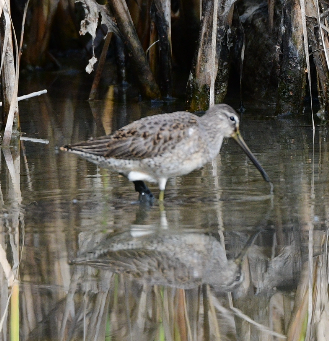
(206, 325)
(39, 30)
(8, 74)
(208, 80)
(152, 50)
(120, 59)
(213, 70)
(148, 85)
(163, 23)
(292, 78)
(13, 108)
(307, 56)
(199, 83)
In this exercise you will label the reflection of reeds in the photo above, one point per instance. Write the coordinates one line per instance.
(99, 302)
(305, 324)
(14, 312)
(12, 272)
(129, 310)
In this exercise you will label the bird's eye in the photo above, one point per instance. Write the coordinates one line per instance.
(232, 118)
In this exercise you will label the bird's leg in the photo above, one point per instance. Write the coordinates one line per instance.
(161, 195)
(162, 186)
(145, 195)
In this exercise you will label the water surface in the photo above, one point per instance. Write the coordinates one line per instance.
(163, 273)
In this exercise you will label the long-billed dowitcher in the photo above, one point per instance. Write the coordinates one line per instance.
(158, 147)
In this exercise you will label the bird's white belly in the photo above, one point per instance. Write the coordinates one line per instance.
(169, 167)
(153, 169)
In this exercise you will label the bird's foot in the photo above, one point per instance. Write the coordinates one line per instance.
(145, 195)
(146, 198)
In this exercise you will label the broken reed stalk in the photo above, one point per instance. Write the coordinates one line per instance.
(32, 94)
(100, 67)
(149, 87)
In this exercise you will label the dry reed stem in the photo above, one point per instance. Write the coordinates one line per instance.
(13, 101)
(32, 94)
(213, 68)
(100, 67)
(6, 267)
(307, 56)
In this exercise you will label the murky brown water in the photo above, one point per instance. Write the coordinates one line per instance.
(163, 273)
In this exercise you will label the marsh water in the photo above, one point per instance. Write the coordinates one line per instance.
(94, 264)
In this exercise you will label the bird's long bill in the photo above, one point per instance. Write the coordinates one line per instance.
(238, 138)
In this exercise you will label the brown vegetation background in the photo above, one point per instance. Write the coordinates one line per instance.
(255, 50)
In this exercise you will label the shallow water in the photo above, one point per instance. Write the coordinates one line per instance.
(163, 272)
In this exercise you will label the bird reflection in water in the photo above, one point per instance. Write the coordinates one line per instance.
(180, 260)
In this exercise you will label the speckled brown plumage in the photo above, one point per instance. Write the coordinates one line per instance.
(145, 138)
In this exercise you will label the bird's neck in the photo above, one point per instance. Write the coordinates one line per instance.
(214, 138)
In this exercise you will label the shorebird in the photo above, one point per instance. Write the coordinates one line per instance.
(159, 147)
